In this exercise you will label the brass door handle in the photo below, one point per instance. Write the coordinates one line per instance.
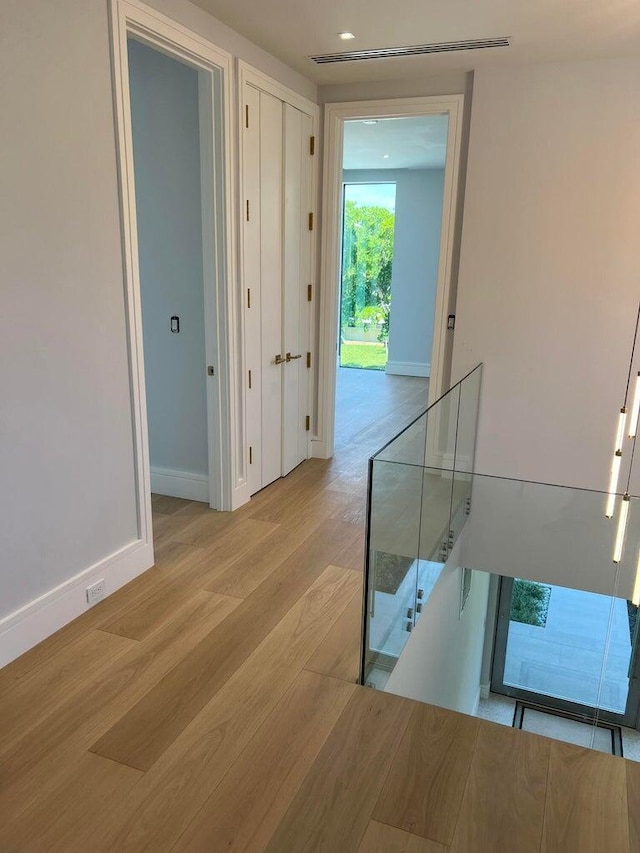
(280, 360)
(290, 357)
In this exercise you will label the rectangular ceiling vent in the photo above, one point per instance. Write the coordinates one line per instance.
(411, 50)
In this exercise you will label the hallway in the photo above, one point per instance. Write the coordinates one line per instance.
(211, 705)
(370, 404)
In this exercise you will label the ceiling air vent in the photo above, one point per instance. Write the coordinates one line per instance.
(411, 50)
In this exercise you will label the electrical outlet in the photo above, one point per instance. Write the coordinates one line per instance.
(95, 592)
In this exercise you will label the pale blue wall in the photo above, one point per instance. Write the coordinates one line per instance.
(415, 260)
(164, 105)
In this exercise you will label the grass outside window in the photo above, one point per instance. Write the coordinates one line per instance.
(363, 355)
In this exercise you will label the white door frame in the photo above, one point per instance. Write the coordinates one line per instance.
(131, 17)
(249, 75)
(335, 116)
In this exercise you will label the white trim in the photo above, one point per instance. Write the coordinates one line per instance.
(180, 484)
(248, 75)
(335, 116)
(408, 368)
(28, 626)
(131, 17)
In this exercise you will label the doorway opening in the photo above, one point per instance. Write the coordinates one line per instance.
(166, 127)
(182, 184)
(391, 174)
(392, 201)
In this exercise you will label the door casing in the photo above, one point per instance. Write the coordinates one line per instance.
(335, 116)
(135, 19)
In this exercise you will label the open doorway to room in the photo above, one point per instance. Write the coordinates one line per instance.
(391, 221)
(172, 96)
(389, 218)
(165, 118)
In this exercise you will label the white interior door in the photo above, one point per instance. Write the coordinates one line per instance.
(252, 280)
(271, 243)
(296, 276)
(277, 186)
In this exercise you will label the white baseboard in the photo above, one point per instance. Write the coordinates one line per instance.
(37, 620)
(408, 368)
(180, 484)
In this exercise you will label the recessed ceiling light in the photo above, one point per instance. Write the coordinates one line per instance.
(369, 121)
(385, 156)
(346, 36)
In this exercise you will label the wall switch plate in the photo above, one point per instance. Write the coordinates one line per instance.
(95, 592)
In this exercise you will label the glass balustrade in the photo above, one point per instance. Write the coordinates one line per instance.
(496, 596)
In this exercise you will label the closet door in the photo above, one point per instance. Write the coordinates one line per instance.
(271, 304)
(276, 181)
(296, 277)
(252, 294)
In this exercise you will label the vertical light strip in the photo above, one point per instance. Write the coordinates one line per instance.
(613, 484)
(622, 417)
(635, 409)
(622, 529)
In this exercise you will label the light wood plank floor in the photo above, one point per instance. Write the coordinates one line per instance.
(211, 705)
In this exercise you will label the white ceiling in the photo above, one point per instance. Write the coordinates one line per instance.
(408, 143)
(541, 30)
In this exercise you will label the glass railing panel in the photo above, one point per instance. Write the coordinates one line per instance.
(464, 462)
(408, 446)
(392, 559)
(499, 597)
(619, 689)
(409, 532)
(554, 534)
(561, 658)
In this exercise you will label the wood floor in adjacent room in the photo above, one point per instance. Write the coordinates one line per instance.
(211, 705)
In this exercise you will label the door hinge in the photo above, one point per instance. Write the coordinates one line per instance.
(307, 423)
(311, 222)
(246, 115)
(308, 359)
(247, 210)
(312, 145)
(451, 322)
(248, 297)
(309, 292)
(250, 455)
(210, 370)
(249, 380)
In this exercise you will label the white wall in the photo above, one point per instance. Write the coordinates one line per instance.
(442, 661)
(549, 274)
(415, 270)
(164, 107)
(415, 263)
(66, 451)
(548, 534)
(452, 83)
